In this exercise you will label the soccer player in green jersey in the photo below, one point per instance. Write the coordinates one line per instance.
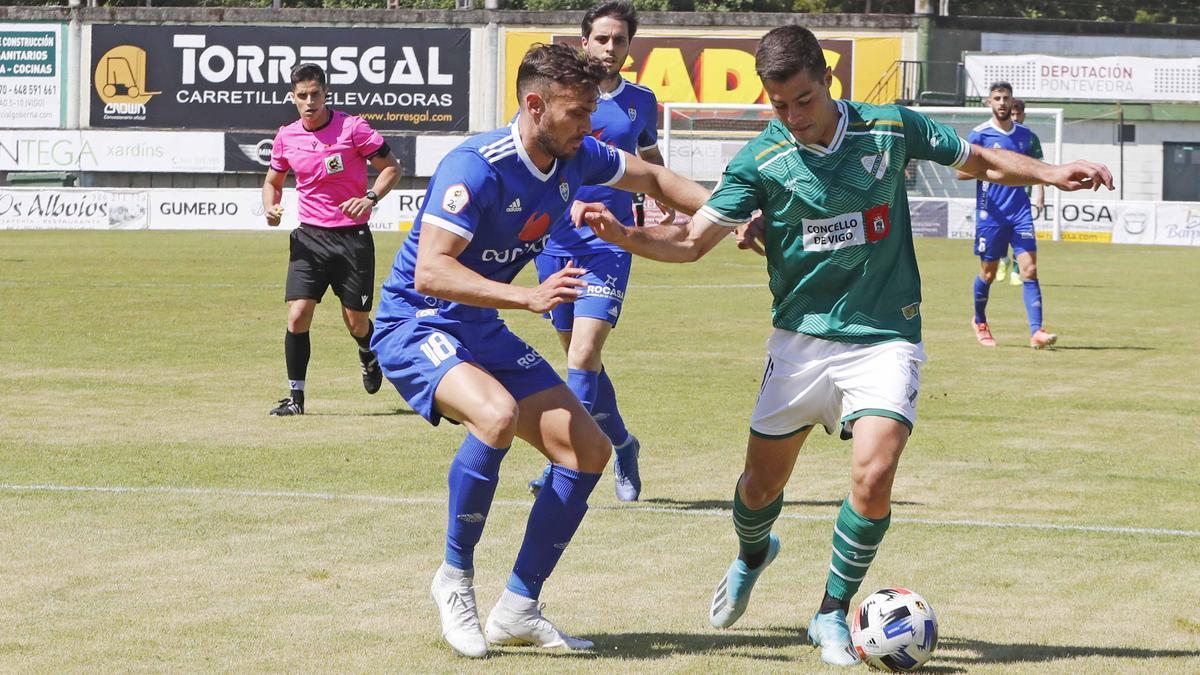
(828, 177)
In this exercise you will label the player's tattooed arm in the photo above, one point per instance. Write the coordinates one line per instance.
(440, 274)
(662, 184)
(1010, 168)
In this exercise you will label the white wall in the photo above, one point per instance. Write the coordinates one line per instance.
(1143, 174)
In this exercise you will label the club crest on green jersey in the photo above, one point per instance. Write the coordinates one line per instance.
(876, 165)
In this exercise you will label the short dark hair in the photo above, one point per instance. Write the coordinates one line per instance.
(787, 50)
(1018, 104)
(308, 72)
(621, 10)
(558, 63)
(1000, 85)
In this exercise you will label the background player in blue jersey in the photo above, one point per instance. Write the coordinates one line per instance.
(490, 208)
(1002, 218)
(1039, 201)
(626, 117)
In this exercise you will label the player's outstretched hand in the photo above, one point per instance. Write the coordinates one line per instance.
(274, 215)
(1081, 175)
(601, 220)
(562, 286)
(750, 236)
(356, 206)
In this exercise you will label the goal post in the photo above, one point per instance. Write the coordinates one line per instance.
(1047, 123)
(699, 139)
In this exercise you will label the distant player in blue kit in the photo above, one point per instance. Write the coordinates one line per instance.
(1003, 217)
(489, 210)
(626, 117)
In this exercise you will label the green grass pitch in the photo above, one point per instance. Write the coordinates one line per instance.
(155, 518)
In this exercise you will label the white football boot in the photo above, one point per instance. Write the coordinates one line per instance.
(517, 620)
(453, 592)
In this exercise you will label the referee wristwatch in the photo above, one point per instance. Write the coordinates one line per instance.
(372, 196)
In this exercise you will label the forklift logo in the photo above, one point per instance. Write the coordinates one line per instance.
(120, 81)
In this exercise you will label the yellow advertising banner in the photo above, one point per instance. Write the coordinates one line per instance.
(696, 68)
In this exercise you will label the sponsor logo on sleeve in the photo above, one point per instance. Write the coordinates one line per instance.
(456, 199)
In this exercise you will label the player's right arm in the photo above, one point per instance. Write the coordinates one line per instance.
(440, 274)
(272, 189)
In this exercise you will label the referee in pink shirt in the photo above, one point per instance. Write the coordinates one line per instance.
(328, 150)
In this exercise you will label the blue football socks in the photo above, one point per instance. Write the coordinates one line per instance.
(981, 299)
(605, 411)
(1032, 292)
(585, 384)
(556, 514)
(473, 477)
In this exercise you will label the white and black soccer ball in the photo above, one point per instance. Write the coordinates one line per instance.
(894, 629)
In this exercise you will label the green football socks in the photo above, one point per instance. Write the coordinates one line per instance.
(856, 540)
(753, 527)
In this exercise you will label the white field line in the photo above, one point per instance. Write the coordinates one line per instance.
(24, 283)
(435, 501)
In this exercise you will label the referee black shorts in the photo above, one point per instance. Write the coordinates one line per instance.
(341, 257)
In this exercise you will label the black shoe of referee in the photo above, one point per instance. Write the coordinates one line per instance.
(292, 405)
(371, 372)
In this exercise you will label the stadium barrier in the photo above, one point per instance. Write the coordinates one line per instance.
(57, 208)
(172, 209)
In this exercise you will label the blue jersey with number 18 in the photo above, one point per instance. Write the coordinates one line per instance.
(490, 193)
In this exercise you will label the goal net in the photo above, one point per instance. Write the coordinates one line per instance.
(699, 139)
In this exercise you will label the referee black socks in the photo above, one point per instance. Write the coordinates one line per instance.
(364, 342)
(296, 351)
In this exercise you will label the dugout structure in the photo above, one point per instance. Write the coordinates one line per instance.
(699, 139)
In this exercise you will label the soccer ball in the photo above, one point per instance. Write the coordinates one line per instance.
(894, 629)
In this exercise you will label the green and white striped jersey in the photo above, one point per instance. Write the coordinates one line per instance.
(838, 236)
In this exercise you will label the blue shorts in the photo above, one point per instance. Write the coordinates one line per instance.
(993, 237)
(607, 276)
(416, 354)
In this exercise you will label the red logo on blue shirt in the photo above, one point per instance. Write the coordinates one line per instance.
(535, 227)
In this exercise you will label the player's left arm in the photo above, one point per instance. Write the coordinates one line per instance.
(661, 183)
(1035, 151)
(928, 139)
(973, 139)
(654, 156)
(1010, 168)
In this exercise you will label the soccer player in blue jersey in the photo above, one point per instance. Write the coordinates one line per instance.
(1003, 217)
(1035, 150)
(626, 117)
(489, 209)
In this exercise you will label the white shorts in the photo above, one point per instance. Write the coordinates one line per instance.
(811, 381)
